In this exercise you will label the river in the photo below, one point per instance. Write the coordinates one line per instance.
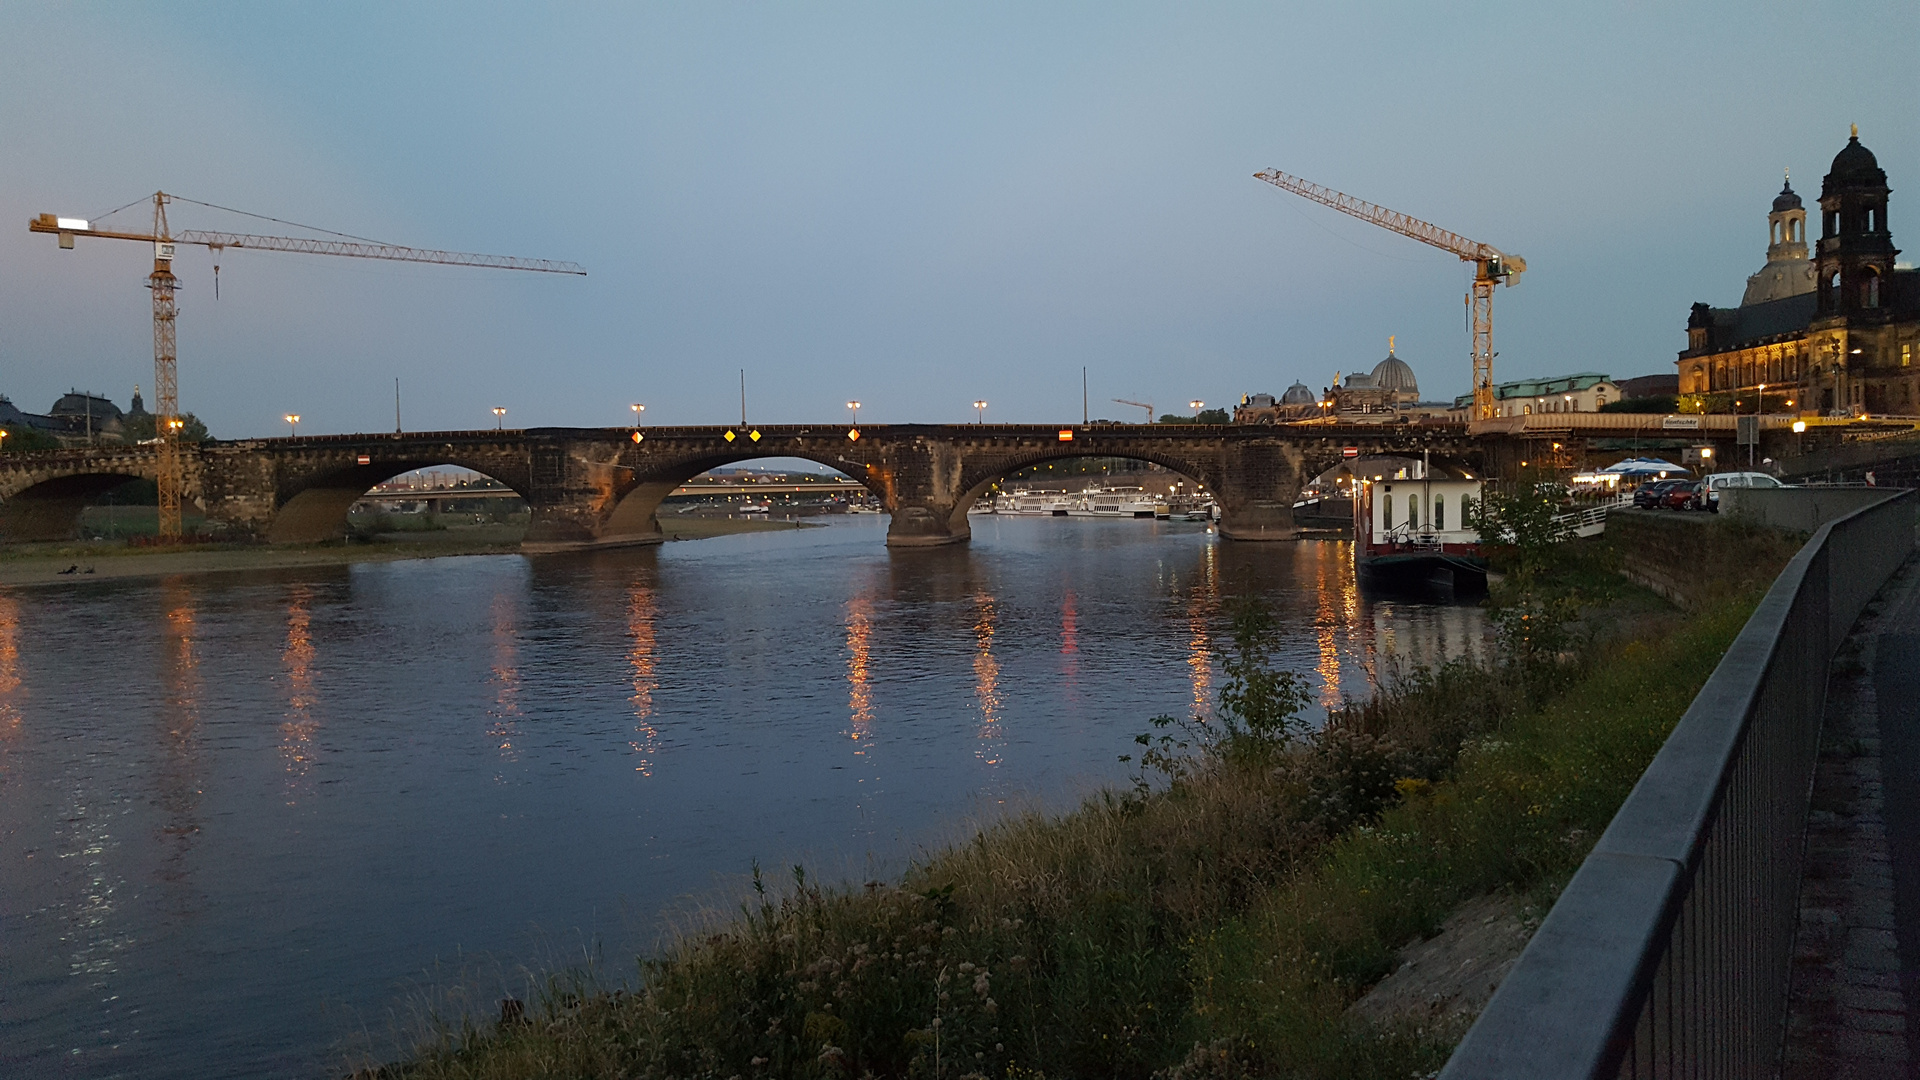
(258, 823)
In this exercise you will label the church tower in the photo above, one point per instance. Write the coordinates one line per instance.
(1787, 273)
(1787, 225)
(1854, 263)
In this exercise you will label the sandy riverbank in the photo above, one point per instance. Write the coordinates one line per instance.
(43, 564)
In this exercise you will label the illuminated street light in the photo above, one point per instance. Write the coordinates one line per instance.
(855, 406)
(979, 412)
(637, 410)
(499, 418)
(293, 423)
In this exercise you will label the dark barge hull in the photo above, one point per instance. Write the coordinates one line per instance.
(1423, 570)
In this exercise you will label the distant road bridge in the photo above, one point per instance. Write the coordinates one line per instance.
(592, 487)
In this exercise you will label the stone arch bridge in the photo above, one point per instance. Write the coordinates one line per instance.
(591, 487)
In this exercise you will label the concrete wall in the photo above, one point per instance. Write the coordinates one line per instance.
(1797, 509)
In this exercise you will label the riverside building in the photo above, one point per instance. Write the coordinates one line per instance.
(1831, 330)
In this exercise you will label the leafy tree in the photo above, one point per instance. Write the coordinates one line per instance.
(1532, 611)
(140, 427)
(1205, 416)
(1258, 712)
(24, 439)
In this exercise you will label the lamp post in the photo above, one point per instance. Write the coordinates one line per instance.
(499, 418)
(855, 407)
(637, 410)
(980, 412)
(293, 424)
(1759, 406)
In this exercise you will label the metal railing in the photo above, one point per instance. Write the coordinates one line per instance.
(1668, 953)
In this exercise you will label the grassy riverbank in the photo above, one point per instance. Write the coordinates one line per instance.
(43, 564)
(1216, 925)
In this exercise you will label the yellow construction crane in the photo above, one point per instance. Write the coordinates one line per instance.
(1138, 405)
(167, 422)
(1490, 266)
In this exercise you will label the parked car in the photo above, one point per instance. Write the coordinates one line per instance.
(1719, 482)
(1654, 495)
(1687, 495)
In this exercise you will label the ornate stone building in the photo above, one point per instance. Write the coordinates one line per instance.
(1834, 333)
(1388, 388)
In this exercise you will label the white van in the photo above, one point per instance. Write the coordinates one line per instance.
(1719, 482)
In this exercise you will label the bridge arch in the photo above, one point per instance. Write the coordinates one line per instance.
(48, 507)
(634, 516)
(975, 480)
(314, 508)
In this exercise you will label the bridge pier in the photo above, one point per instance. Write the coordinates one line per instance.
(1256, 487)
(920, 525)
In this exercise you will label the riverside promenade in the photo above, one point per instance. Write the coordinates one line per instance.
(1856, 966)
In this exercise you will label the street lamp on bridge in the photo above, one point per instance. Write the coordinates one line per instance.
(637, 410)
(293, 423)
(499, 418)
(979, 412)
(855, 406)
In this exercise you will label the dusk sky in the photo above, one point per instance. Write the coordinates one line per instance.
(914, 205)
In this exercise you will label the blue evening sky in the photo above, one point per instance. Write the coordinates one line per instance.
(915, 205)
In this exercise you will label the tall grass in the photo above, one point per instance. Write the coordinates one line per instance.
(1217, 923)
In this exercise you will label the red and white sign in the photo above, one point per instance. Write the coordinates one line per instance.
(1066, 434)
(365, 459)
(1350, 452)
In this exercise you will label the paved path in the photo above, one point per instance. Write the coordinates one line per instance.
(1854, 970)
(1897, 686)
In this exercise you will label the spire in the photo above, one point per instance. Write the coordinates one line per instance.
(1390, 344)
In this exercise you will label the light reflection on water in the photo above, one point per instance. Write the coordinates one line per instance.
(244, 813)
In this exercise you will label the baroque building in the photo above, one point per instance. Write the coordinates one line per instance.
(1831, 331)
(1389, 387)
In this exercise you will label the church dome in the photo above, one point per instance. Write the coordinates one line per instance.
(1298, 394)
(1788, 199)
(1855, 164)
(1394, 374)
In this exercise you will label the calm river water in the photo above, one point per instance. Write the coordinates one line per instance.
(253, 824)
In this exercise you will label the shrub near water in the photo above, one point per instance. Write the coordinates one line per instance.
(1215, 923)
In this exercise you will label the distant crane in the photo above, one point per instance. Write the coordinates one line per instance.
(1138, 405)
(1490, 266)
(167, 422)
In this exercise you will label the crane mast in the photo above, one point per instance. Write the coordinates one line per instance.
(1491, 266)
(166, 384)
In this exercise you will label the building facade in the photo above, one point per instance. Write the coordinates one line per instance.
(1585, 391)
(76, 419)
(1831, 331)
